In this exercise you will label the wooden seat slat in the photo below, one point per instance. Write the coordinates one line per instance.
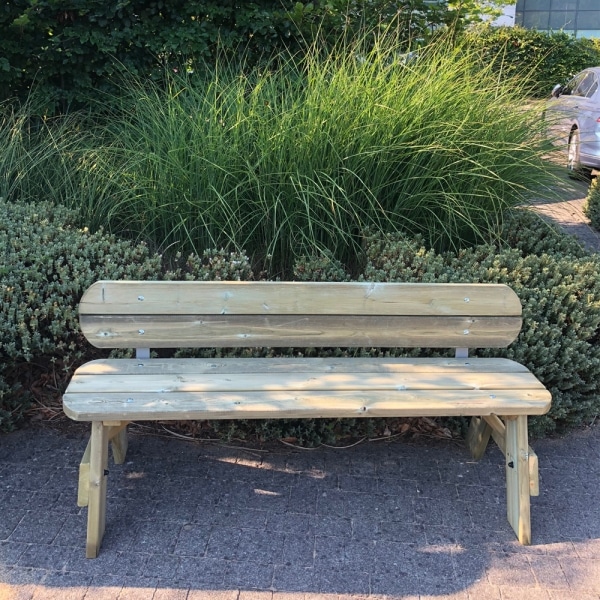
(134, 406)
(183, 366)
(216, 382)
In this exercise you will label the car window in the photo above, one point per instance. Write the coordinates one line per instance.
(585, 85)
(593, 88)
(570, 87)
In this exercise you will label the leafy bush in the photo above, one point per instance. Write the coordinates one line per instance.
(543, 59)
(46, 263)
(560, 293)
(319, 268)
(73, 51)
(591, 208)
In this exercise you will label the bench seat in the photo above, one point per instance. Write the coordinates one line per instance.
(262, 388)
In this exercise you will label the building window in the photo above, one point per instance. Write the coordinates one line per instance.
(580, 17)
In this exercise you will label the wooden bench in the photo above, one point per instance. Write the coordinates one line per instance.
(497, 393)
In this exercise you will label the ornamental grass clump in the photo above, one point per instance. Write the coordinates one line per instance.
(301, 156)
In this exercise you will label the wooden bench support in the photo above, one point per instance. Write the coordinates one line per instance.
(478, 436)
(117, 435)
(97, 489)
(522, 478)
(482, 428)
(517, 478)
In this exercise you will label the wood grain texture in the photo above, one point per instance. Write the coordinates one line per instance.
(281, 298)
(258, 382)
(134, 406)
(211, 331)
(186, 366)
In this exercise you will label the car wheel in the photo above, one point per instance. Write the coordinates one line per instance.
(576, 171)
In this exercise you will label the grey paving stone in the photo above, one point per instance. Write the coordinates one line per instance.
(389, 584)
(163, 566)
(10, 552)
(334, 578)
(240, 574)
(569, 595)
(164, 592)
(332, 503)
(518, 593)
(210, 594)
(10, 520)
(194, 571)
(290, 523)
(255, 595)
(259, 546)
(582, 574)
(63, 586)
(293, 579)
(298, 551)
(43, 556)
(223, 543)
(345, 537)
(443, 511)
(156, 536)
(510, 569)
(548, 572)
(193, 540)
(239, 517)
(303, 497)
(37, 528)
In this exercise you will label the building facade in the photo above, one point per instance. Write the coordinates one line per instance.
(579, 17)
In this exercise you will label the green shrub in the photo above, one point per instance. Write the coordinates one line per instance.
(591, 208)
(46, 263)
(319, 268)
(76, 49)
(560, 293)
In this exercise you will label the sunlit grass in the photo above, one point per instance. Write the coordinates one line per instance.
(304, 156)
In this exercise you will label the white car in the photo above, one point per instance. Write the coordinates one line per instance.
(573, 120)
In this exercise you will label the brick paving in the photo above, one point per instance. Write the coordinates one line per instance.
(400, 519)
(566, 210)
(386, 520)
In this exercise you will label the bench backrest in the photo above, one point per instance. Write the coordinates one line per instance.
(193, 314)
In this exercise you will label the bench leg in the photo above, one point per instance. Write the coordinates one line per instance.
(117, 436)
(84, 477)
(118, 440)
(517, 477)
(97, 489)
(478, 436)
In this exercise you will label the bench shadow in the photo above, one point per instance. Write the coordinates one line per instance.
(392, 519)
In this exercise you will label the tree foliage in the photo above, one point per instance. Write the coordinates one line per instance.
(68, 49)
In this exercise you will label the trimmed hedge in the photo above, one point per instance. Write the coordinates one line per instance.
(591, 208)
(47, 262)
(72, 50)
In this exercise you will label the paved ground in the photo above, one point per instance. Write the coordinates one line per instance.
(383, 519)
(380, 520)
(567, 211)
